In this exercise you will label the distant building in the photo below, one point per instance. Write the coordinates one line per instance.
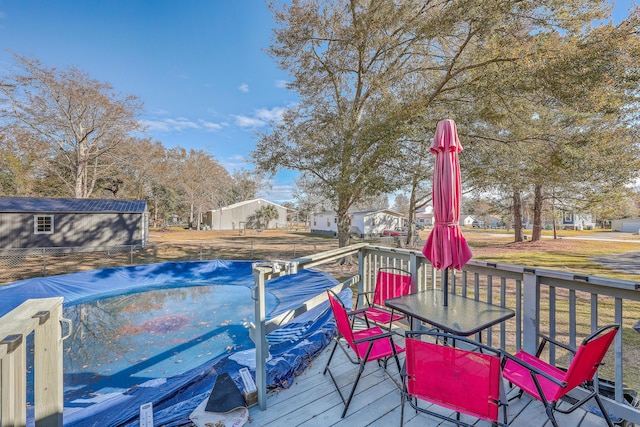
(234, 217)
(425, 217)
(626, 225)
(466, 220)
(577, 221)
(363, 223)
(32, 222)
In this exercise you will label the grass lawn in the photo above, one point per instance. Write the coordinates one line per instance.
(564, 254)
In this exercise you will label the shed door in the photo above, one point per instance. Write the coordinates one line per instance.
(630, 227)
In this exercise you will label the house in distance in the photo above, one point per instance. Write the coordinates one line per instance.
(363, 223)
(33, 222)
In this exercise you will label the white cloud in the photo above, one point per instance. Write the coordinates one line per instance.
(260, 118)
(281, 84)
(236, 162)
(274, 114)
(179, 124)
(244, 88)
(277, 193)
(247, 122)
(211, 125)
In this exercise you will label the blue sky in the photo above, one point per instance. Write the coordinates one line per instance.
(199, 66)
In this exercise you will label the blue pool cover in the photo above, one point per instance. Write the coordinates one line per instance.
(174, 397)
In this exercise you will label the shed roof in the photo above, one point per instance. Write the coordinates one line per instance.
(48, 205)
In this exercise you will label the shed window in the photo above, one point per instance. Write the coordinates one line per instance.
(43, 224)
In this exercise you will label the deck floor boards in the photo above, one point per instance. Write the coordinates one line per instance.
(312, 401)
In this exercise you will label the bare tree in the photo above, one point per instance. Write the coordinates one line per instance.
(74, 122)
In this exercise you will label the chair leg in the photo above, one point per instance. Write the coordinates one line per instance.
(353, 390)
(605, 414)
(330, 357)
(549, 410)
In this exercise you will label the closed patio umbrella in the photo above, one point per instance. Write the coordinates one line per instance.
(446, 247)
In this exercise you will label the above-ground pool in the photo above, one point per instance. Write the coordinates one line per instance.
(161, 333)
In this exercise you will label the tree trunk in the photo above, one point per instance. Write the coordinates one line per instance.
(553, 215)
(411, 228)
(517, 217)
(344, 228)
(536, 235)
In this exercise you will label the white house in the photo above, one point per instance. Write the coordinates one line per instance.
(466, 220)
(577, 221)
(425, 217)
(235, 216)
(363, 223)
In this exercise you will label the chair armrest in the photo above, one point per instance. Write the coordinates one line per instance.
(532, 369)
(366, 297)
(357, 311)
(375, 337)
(547, 339)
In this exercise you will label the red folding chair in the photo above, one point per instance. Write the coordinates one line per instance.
(549, 384)
(465, 381)
(391, 282)
(367, 345)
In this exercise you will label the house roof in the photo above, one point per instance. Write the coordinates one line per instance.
(48, 205)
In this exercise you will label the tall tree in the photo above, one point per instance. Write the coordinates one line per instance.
(345, 58)
(560, 126)
(73, 120)
(367, 71)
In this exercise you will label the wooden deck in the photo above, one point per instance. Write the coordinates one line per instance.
(313, 401)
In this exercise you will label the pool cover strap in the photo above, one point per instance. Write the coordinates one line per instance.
(225, 396)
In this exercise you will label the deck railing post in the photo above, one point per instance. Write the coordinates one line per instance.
(13, 389)
(48, 372)
(260, 340)
(361, 272)
(531, 310)
(413, 269)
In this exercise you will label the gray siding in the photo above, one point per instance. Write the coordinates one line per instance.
(73, 229)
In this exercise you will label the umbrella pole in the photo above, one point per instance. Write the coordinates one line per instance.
(445, 287)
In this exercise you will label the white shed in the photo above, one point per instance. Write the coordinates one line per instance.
(235, 216)
(626, 225)
(363, 223)
(466, 220)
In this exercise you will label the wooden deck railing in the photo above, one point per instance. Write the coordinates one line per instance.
(41, 317)
(562, 305)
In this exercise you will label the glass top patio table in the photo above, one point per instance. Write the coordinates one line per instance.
(462, 316)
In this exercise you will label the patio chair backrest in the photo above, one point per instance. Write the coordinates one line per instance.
(391, 283)
(458, 379)
(341, 316)
(588, 358)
